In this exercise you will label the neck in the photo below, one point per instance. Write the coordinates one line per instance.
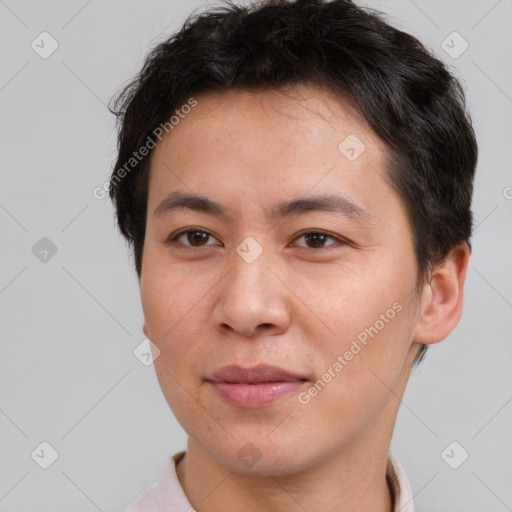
(352, 479)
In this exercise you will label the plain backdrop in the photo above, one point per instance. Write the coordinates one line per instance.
(69, 299)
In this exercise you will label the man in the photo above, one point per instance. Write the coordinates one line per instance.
(295, 179)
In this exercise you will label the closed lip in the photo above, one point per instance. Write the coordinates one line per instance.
(262, 373)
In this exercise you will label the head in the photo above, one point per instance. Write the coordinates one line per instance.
(257, 112)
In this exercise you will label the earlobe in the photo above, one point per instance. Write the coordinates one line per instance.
(145, 330)
(442, 297)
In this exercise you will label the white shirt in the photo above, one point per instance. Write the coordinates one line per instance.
(167, 494)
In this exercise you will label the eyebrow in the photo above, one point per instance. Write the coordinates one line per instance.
(330, 203)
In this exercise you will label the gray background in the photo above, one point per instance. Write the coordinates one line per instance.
(70, 324)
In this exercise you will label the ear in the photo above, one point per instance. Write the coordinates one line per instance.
(145, 330)
(442, 297)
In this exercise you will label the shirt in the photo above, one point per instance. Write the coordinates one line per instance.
(167, 494)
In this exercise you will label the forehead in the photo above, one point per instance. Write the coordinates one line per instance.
(256, 146)
(300, 101)
(296, 113)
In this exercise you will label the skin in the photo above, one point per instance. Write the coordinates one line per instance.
(298, 305)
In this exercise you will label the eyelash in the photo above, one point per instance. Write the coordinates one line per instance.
(339, 241)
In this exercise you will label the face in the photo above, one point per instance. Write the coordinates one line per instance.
(282, 320)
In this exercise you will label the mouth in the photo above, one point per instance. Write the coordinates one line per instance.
(254, 387)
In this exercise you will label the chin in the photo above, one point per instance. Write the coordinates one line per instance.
(264, 468)
(263, 458)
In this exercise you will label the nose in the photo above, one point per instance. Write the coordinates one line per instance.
(253, 299)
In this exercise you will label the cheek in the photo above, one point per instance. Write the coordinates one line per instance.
(175, 317)
(371, 323)
(352, 302)
(357, 380)
(167, 300)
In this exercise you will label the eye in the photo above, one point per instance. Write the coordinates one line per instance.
(195, 237)
(317, 239)
(199, 238)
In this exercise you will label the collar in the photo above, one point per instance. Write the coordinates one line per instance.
(167, 494)
(399, 484)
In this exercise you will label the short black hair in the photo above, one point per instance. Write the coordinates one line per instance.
(408, 97)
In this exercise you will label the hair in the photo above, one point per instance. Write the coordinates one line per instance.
(407, 96)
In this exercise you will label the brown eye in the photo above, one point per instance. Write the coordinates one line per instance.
(193, 238)
(318, 239)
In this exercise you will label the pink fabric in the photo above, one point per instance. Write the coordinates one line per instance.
(167, 495)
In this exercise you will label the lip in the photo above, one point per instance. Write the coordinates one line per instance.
(254, 387)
